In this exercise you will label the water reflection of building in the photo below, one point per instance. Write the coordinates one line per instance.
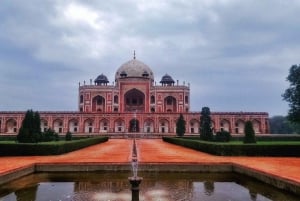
(149, 188)
(134, 102)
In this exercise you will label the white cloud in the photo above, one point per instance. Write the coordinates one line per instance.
(76, 13)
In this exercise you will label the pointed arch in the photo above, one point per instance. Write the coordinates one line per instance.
(148, 126)
(89, 125)
(194, 126)
(104, 125)
(11, 126)
(225, 125)
(256, 126)
(119, 125)
(170, 104)
(73, 125)
(58, 125)
(134, 100)
(44, 125)
(98, 104)
(239, 126)
(163, 126)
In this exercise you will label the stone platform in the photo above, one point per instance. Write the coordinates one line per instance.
(154, 154)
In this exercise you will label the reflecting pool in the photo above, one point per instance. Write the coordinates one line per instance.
(156, 186)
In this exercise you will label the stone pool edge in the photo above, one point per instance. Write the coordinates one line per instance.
(274, 180)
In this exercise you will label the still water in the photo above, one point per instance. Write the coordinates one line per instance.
(156, 186)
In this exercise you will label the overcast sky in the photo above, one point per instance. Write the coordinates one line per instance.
(234, 53)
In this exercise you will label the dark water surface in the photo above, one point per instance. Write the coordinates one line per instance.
(156, 186)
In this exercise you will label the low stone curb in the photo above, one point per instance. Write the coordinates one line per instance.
(274, 180)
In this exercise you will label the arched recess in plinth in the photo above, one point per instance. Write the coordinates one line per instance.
(256, 126)
(134, 100)
(73, 125)
(58, 125)
(163, 126)
(194, 126)
(11, 126)
(104, 126)
(225, 125)
(44, 125)
(89, 126)
(119, 126)
(134, 125)
(213, 126)
(149, 126)
(239, 126)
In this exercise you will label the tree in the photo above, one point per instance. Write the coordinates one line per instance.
(249, 133)
(281, 125)
(30, 129)
(292, 94)
(180, 126)
(205, 125)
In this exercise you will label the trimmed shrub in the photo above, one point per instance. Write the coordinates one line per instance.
(68, 136)
(51, 148)
(228, 149)
(223, 136)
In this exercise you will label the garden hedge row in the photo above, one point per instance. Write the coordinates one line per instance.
(51, 148)
(227, 149)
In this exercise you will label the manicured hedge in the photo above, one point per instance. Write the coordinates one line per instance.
(50, 148)
(230, 149)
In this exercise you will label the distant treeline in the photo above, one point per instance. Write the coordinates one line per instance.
(281, 125)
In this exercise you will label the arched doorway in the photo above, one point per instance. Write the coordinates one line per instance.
(134, 101)
(134, 125)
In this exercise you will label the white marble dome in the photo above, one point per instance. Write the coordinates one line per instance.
(134, 69)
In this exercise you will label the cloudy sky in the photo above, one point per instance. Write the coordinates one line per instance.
(234, 53)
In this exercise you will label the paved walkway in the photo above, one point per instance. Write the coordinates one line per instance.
(156, 151)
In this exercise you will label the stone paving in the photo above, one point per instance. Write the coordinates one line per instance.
(156, 151)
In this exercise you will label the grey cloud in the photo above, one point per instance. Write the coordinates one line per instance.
(235, 54)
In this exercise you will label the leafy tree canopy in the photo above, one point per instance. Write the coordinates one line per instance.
(292, 94)
(281, 125)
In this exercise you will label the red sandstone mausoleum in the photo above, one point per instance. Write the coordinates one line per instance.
(134, 103)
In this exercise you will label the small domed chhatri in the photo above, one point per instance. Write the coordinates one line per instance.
(167, 80)
(134, 104)
(101, 80)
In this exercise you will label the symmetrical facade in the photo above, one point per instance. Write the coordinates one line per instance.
(134, 103)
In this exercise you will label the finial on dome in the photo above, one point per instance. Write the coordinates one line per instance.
(133, 54)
